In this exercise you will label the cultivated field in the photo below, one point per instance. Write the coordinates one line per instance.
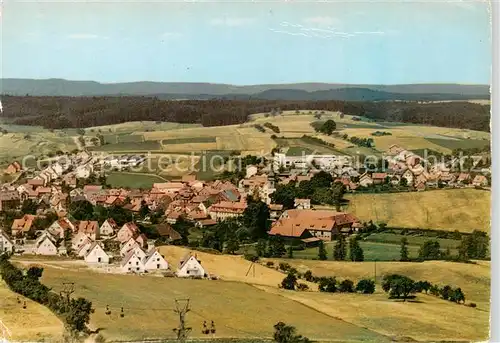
(454, 209)
(36, 322)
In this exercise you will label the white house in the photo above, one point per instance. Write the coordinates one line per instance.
(78, 240)
(128, 246)
(6, 245)
(84, 248)
(154, 261)
(108, 228)
(251, 170)
(190, 267)
(302, 204)
(96, 254)
(132, 263)
(45, 245)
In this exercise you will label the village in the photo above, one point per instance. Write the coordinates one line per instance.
(125, 249)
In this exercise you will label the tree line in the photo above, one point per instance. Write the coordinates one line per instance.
(74, 112)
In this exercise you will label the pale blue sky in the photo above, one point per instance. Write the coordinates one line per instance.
(248, 43)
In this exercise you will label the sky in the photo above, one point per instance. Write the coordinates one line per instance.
(368, 42)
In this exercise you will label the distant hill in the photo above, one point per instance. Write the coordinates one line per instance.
(293, 91)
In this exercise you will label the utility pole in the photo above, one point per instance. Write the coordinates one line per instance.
(182, 308)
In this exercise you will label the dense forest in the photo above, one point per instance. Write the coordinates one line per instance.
(74, 112)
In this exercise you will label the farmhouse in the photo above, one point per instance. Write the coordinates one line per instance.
(312, 223)
(227, 209)
(6, 245)
(190, 266)
(166, 232)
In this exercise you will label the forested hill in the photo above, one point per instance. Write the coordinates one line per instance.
(63, 112)
(290, 91)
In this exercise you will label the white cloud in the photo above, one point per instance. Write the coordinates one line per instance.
(321, 21)
(232, 22)
(84, 36)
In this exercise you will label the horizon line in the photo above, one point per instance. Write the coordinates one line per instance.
(255, 84)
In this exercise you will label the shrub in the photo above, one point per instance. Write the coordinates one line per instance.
(365, 286)
(308, 276)
(270, 264)
(346, 286)
(289, 282)
(327, 284)
(472, 305)
(284, 266)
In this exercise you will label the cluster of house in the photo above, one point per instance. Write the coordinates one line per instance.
(95, 243)
(402, 164)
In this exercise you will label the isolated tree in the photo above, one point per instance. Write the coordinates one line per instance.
(232, 245)
(340, 249)
(365, 286)
(261, 247)
(322, 256)
(308, 276)
(290, 252)
(355, 251)
(327, 127)
(404, 250)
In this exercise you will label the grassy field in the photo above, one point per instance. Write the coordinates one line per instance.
(149, 302)
(132, 180)
(189, 140)
(36, 322)
(474, 279)
(454, 209)
(427, 319)
(373, 251)
(234, 300)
